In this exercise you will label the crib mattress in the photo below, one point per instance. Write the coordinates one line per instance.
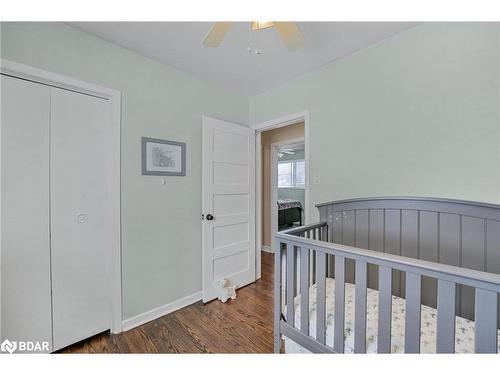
(464, 338)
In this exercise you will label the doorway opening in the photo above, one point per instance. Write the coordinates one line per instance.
(282, 179)
(288, 185)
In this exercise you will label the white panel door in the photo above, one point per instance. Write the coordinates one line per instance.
(25, 252)
(80, 215)
(229, 199)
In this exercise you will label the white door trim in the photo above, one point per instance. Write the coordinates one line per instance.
(29, 73)
(280, 122)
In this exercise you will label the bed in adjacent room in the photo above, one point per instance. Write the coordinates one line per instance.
(289, 213)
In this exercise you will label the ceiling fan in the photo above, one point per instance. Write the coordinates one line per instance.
(288, 31)
(288, 151)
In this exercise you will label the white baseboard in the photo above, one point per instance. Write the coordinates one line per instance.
(267, 249)
(148, 316)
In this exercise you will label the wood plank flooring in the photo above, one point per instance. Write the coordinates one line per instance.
(244, 325)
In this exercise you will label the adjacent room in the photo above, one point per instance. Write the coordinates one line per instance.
(283, 184)
(250, 187)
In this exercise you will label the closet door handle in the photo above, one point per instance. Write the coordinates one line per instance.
(210, 217)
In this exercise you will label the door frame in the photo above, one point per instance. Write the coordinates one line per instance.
(21, 71)
(279, 122)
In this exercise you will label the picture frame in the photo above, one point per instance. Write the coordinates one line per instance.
(161, 157)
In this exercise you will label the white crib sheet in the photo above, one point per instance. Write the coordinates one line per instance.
(464, 339)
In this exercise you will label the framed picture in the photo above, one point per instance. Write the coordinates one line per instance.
(163, 158)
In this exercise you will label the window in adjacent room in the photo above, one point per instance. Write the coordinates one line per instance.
(291, 174)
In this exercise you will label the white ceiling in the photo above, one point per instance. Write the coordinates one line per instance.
(230, 65)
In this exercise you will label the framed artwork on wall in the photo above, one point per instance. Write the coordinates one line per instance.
(163, 158)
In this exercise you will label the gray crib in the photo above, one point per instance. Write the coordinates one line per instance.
(440, 253)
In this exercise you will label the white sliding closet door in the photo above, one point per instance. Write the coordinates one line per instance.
(81, 222)
(25, 251)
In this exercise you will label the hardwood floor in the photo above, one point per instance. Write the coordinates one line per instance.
(244, 325)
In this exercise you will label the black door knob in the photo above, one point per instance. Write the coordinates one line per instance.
(210, 217)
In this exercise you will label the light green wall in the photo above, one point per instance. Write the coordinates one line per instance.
(161, 226)
(416, 114)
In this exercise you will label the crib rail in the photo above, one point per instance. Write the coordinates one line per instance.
(305, 251)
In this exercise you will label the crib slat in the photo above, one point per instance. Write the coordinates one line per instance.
(277, 297)
(312, 267)
(338, 336)
(320, 296)
(384, 309)
(304, 290)
(290, 284)
(445, 342)
(296, 271)
(485, 338)
(360, 308)
(412, 318)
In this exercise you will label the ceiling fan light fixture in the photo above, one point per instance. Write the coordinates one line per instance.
(288, 31)
(259, 25)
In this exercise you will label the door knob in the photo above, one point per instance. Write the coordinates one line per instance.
(210, 217)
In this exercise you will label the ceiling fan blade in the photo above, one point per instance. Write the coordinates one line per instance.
(217, 34)
(290, 34)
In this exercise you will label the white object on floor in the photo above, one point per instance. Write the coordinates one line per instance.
(226, 291)
(464, 328)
